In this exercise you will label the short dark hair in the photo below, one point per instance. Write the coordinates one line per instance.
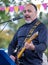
(33, 5)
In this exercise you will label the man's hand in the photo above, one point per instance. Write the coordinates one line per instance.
(30, 46)
(12, 57)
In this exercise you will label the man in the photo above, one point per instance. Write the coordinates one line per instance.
(34, 50)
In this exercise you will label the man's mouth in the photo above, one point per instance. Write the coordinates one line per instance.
(27, 17)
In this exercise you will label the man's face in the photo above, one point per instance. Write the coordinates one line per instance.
(29, 12)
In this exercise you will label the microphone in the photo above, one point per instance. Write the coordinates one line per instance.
(13, 19)
(17, 18)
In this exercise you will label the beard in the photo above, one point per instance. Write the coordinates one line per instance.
(28, 21)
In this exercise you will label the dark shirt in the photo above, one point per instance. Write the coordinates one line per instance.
(30, 57)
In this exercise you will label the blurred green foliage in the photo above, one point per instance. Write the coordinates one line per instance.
(5, 38)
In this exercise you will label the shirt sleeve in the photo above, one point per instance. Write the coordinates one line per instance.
(41, 47)
(13, 44)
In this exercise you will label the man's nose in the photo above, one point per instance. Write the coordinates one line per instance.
(26, 12)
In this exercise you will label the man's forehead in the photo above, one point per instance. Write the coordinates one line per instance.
(28, 6)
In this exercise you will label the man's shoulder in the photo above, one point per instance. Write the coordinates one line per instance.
(20, 29)
(23, 26)
(42, 25)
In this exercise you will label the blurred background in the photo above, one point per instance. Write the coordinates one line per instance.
(8, 27)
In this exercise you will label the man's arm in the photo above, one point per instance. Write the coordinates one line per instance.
(42, 40)
(12, 45)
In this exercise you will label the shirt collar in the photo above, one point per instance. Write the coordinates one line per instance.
(33, 22)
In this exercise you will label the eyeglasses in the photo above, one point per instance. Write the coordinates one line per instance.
(27, 11)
